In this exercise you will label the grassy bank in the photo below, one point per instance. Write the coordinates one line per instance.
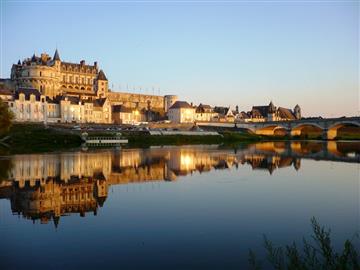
(32, 138)
(227, 137)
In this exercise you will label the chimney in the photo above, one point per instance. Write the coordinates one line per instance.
(95, 64)
(82, 62)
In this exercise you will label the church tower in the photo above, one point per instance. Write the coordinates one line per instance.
(271, 112)
(297, 112)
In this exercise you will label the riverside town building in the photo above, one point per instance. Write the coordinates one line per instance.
(47, 89)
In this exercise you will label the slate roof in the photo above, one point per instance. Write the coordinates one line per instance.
(222, 110)
(56, 55)
(181, 105)
(101, 75)
(260, 111)
(286, 113)
(202, 108)
(28, 92)
(72, 99)
(99, 102)
(52, 101)
(244, 115)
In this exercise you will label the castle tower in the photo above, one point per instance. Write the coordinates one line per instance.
(169, 100)
(297, 112)
(101, 84)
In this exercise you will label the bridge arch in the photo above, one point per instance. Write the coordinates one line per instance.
(272, 129)
(305, 129)
(333, 130)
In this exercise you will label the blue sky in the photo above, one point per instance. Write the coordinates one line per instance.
(221, 53)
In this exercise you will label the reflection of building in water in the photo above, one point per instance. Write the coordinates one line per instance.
(45, 186)
(270, 163)
(53, 198)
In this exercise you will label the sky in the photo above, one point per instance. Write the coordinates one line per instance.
(226, 53)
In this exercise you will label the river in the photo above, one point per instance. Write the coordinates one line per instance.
(173, 207)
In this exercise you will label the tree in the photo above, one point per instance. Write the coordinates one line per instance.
(6, 117)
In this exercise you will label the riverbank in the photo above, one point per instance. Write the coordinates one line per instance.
(35, 138)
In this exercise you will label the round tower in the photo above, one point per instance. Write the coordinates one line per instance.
(169, 100)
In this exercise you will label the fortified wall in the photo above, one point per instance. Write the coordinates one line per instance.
(141, 101)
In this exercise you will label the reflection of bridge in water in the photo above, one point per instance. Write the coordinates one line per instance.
(47, 186)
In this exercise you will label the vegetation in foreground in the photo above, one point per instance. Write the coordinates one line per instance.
(6, 117)
(315, 255)
(224, 138)
(30, 138)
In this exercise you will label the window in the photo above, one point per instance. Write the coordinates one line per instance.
(83, 80)
(64, 78)
(77, 79)
(40, 73)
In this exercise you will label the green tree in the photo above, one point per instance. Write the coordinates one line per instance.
(6, 118)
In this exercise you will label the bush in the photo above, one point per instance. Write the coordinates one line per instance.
(317, 255)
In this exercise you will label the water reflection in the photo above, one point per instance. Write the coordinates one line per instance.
(45, 187)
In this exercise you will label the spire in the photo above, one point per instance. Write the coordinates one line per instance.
(272, 108)
(101, 75)
(56, 56)
(56, 221)
(19, 62)
(33, 58)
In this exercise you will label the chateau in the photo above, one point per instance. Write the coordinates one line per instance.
(47, 89)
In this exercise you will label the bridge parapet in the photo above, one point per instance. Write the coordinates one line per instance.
(329, 126)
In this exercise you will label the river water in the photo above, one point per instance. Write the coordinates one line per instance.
(173, 207)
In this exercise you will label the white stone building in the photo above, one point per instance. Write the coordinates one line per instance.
(181, 112)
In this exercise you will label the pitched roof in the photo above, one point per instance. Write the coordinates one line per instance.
(28, 92)
(56, 55)
(99, 102)
(101, 75)
(181, 105)
(222, 110)
(202, 108)
(51, 100)
(243, 115)
(72, 99)
(286, 113)
(260, 111)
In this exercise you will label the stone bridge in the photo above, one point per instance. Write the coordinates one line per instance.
(329, 126)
